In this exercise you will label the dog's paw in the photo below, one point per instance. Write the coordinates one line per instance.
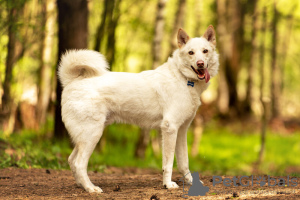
(189, 182)
(93, 189)
(189, 179)
(171, 185)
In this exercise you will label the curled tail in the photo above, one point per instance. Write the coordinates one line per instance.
(80, 64)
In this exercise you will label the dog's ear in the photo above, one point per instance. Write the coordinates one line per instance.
(210, 35)
(182, 38)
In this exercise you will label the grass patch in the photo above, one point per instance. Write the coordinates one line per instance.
(221, 152)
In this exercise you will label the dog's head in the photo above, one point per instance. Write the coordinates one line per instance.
(198, 55)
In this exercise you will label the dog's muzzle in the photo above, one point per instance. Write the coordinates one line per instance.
(202, 73)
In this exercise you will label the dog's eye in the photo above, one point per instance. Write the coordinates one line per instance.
(191, 52)
(205, 51)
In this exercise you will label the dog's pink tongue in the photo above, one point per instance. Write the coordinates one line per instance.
(207, 76)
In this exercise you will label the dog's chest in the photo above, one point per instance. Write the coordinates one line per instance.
(184, 101)
(194, 91)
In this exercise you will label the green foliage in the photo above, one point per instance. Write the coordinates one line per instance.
(221, 151)
(28, 150)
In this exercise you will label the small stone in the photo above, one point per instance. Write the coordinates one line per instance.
(117, 188)
(235, 194)
(154, 197)
(280, 183)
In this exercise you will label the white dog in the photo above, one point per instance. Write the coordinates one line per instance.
(166, 98)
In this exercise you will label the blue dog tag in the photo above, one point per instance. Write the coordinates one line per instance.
(190, 83)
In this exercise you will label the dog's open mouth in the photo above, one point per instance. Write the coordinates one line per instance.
(202, 73)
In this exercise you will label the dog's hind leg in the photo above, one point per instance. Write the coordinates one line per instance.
(72, 158)
(80, 156)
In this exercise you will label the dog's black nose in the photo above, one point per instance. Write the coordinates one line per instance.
(200, 63)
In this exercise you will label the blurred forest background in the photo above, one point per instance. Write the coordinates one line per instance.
(249, 118)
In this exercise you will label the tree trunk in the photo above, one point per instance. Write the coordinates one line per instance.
(142, 143)
(178, 23)
(45, 73)
(158, 33)
(276, 78)
(113, 19)
(72, 34)
(247, 102)
(101, 27)
(286, 43)
(10, 60)
(231, 38)
(197, 132)
(262, 83)
(8, 107)
(224, 48)
(156, 143)
(232, 66)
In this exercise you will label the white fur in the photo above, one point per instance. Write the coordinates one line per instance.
(81, 64)
(160, 99)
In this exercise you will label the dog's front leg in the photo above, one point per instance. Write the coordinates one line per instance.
(182, 153)
(169, 135)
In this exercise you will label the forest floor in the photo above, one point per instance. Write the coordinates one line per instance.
(127, 183)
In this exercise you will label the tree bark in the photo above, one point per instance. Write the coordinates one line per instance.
(286, 43)
(223, 39)
(8, 107)
(178, 23)
(158, 33)
(276, 78)
(113, 19)
(142, 143)
(231, 38)
(262, 84)
(101, 27)
(232, 66)
(247, 102)
(45, 73)
(197, 132)
(72, 34)
(10, 60)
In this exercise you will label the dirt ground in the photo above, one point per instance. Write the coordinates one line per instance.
(129, 183)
